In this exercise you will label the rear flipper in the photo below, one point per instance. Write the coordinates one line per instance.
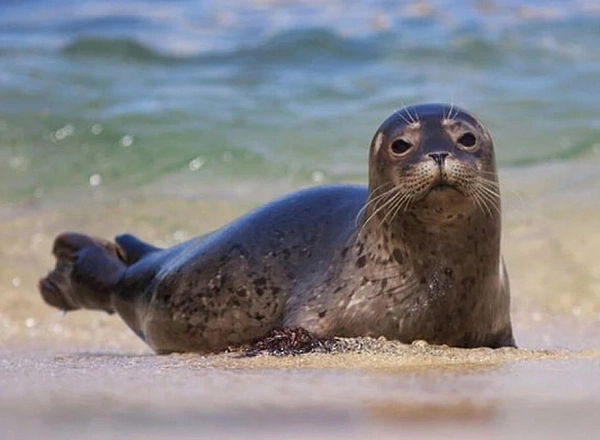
(86, 274)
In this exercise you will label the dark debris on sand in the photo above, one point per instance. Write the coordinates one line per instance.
(296, 340)
(290, 341)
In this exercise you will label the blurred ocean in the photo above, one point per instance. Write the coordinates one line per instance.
(169, 118)
(207, 94)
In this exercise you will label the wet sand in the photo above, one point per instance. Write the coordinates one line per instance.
(87, 376)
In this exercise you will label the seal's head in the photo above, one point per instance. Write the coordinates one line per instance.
(434, 157)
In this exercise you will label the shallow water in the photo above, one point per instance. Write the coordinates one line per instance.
(101, 93)
(168, 119)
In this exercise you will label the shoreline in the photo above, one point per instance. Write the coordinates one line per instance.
(100, 394)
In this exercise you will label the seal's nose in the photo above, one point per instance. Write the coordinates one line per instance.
(439, 158)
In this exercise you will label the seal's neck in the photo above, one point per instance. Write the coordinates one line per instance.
(429, 243)
(439, 280)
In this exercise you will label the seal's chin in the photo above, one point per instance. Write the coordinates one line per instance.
(446, 195)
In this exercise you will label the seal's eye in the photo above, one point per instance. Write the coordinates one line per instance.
(467, 140)
(400, 146)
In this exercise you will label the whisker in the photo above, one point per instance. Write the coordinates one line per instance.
(450, 117)
(521, 202)
(411, 117)
(489, 184)
(376, 191)
(493, 201)
(489, 202)
(454, 112)
(394, 200)
(391, 212)
(476, 200)
(409, 199)
(490, 199)
(489, 188)
(404, 204)
(371, 200)
(414, 118)
(396, 209)
(403, 117)
(488, 173)
(481, 204)
(493, 193)
(408, 120)
(378, 209)
(408, 113)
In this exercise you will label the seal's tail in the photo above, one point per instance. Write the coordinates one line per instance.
(86, 273)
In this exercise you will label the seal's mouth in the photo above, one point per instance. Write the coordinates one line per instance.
(442, 186)
(443, 190)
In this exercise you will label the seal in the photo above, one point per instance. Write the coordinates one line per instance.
(415, 256)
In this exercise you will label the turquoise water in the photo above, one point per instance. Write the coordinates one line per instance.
(121, 94)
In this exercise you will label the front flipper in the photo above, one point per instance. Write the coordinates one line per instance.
(134, 248)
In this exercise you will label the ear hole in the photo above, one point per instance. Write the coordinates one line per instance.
(467, 140)
(400, 146)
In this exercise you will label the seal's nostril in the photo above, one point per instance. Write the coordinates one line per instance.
(439, 157)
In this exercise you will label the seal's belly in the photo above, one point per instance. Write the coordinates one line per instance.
(209, 313)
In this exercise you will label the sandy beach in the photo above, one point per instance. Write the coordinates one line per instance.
(86, 375)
